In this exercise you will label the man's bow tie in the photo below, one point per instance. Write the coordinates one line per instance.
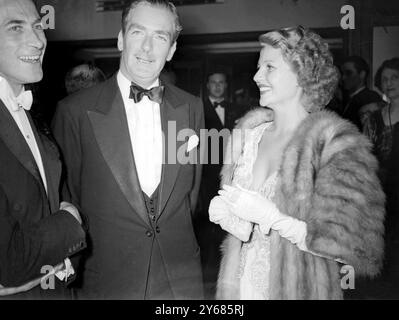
(154, 94)
(25, 100)
(218, 104)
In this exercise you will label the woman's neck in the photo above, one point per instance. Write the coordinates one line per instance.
(287, 117)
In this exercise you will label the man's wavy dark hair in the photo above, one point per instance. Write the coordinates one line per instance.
(131, 4)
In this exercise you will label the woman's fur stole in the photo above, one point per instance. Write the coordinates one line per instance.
(327, 179)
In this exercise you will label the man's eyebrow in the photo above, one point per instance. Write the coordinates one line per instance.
(135, 25)
(139, 26)
(14, 21)
(20, 22)
(163, 32)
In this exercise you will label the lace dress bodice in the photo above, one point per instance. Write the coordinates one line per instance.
(255, 253)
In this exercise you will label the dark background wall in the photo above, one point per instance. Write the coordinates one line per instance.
(222, 36)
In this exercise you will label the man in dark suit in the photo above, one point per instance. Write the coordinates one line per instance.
(355, 71)
(220, 117)
(36, 233)
(138, 199)
(219, 113)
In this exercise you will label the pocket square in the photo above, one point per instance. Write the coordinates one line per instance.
(192, 142)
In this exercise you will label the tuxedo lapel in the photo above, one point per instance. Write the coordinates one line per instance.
(176, 112)
(13, 138)
(111, 130)
(51, 164)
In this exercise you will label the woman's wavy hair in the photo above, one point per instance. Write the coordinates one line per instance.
(387, 64)
(309, 57)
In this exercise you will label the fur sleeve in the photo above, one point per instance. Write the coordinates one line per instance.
(347, 206)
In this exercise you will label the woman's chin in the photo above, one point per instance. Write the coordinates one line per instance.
(264, 102)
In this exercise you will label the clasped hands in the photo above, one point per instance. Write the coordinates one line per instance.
(253, 207)
(245, 204)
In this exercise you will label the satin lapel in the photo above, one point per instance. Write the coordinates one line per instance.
(112, 134)
(51, 163)
(175, 117)
(13, 138)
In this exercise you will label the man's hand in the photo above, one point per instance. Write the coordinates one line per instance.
(71, 209)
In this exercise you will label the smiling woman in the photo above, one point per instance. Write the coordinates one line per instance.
(300, 195)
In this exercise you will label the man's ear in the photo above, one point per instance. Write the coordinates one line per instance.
(172, 50)
(120, 41)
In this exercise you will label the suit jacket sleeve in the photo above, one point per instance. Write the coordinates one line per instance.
(67, 136)
(198, 110)
(26, 247)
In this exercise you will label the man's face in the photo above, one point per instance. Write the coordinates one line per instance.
(146, 43)
(217, 85)
(351, 79)
(22, 43)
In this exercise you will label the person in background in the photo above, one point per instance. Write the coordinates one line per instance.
(220, 113)
(83, 76)
(355, 71)
(382, 127)
(300, 196)
(36, 231)
(220, 116)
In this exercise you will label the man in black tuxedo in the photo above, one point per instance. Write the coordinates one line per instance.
(219, 113)
(355, 71)
(220, 117)
(138, 199)
(36, 232)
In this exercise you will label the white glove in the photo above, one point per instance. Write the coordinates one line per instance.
(252, 206)
(248, 205)
(218, 210)
(292, 229)
(220, 213)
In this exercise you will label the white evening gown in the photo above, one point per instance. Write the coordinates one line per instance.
(255, 253)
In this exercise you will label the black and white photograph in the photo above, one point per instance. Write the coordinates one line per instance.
(199, 154)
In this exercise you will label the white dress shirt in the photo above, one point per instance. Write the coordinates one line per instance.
(219, 110)
(145, 129)
(22, 121)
